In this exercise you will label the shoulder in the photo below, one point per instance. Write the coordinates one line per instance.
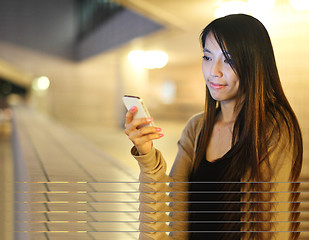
(278, 130)
(284, 143)
(192, 128)
(283, 126)
(195, 122)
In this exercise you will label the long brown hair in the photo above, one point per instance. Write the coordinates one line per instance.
(262, 109)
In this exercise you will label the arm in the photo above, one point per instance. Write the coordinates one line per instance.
(276, 187)
(153, 188)
(281, 159)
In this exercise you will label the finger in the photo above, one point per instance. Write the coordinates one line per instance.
(142, 122)
(138, 123)
(147, 138)
(145, 131)
(134, 131)
(130, 115)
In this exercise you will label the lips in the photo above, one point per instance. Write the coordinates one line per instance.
(217, 85)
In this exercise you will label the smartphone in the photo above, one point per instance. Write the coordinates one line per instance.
(142, 111)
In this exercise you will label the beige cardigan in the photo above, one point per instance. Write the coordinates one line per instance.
(163, 198)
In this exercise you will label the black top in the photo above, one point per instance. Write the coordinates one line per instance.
(206, 211)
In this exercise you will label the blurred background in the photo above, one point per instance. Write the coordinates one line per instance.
(72, 61)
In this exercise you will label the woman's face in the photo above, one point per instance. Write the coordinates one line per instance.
(221, 80)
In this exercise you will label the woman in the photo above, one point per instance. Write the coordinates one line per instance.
(232, 175)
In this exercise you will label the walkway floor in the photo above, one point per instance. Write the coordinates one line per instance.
(6, 183)
(102, 201)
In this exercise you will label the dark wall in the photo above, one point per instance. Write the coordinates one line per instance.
(52, 26)
(45, 25)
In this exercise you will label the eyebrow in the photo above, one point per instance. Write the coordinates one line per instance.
(206, 50)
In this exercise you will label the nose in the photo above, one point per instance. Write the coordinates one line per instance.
(215, 70)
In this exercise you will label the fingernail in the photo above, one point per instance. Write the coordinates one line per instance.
(133, 108)
(148, 120)
(158, 129)
(161, 135)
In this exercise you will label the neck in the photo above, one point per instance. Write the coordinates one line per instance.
(228, 113)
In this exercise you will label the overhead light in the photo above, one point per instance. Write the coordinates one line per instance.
(136, 58)
(300, 5)
(41, 83)
(261, 7)
(168, 92)
(232, 7)
(148, 59)
(258, 8)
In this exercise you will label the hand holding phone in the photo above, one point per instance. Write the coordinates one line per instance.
(138, 131)
(142, 111)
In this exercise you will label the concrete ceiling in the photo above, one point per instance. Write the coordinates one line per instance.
(182, 20)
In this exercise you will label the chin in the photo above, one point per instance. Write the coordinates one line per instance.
(215, 97)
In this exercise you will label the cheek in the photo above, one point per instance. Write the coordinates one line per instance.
(204, 70)
(235, 81)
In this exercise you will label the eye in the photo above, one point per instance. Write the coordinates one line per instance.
(228, 61)
(206, 58)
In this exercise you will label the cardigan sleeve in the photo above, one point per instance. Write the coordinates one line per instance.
(163, 198)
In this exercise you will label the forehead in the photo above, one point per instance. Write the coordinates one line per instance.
(211, 44)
